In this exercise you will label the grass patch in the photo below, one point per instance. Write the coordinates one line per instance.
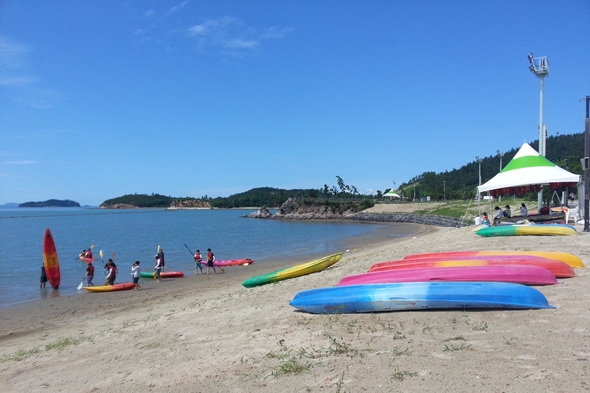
(400, 376)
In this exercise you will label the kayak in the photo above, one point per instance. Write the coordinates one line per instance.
(162, 274)
(419, 296)
(558, 268)
(50, 260)
(565, 257)
(111, 288)
(518, 274)
(293, 271)
(85, 259)
(232, 262)
(528, 229)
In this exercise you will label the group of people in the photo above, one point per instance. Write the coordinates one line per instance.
(501, 214)
(199, 262)
(112, 271)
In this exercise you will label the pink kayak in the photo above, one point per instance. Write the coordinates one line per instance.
(559, 269)
(518, 274)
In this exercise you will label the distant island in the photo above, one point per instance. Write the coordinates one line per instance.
(51, 203)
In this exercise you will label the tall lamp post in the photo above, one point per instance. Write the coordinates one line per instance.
(478, 194)
(540, 67)
(586, 164)
(444, 190)
(501, 155)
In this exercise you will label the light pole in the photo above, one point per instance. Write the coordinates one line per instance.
(586, 162)
(444, 190)
(501, 155)
(478, 194)
(540, 67)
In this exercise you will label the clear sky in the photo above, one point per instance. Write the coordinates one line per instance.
(211, 98)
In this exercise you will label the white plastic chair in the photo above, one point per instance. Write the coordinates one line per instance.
(573, 214)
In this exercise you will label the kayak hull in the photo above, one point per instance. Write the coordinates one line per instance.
(111, 288)
(570, 259)
(419, 296)
(518, 274)
(50, 260)
(528, 230)
(162, 274)
(293, 271)
(232, 262)
(558, 268)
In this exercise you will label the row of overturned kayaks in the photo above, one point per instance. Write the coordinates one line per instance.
(446, 280)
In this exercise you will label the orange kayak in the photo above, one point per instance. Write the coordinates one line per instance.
(558, 268)
(565, 257)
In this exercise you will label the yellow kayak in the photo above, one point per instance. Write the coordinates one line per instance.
(110, 288)
(293, 271)
(570, 259)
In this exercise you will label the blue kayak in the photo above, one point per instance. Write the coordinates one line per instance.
(419, 296)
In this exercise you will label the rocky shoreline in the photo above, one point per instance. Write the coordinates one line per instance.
(292, 210)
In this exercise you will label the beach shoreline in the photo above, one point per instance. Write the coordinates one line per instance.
(209, 334)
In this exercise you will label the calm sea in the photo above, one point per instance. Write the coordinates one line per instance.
(136, 234)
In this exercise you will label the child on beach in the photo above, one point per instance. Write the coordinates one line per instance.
(89, 274)
(198, 262)
(158, 268)
(43, 279)
(135, 274)
(210, 260)
(112, 275)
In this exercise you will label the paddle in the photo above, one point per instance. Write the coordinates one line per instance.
(189, 250)
(102, 260)
(81, 283)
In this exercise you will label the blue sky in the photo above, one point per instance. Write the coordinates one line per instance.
(193, 98)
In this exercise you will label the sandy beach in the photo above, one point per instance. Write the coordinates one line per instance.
(210, 334)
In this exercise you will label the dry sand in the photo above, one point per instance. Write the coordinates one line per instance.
(210, 334)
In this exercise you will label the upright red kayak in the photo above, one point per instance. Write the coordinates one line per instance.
(50, 260)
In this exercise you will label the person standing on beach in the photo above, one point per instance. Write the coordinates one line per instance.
(198, 262)
(158, 268)
(112, 275)
(160, 255)
(89, 274)
(135, 274)
(210, 261)
(43, 279)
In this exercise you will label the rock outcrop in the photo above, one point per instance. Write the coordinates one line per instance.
(296, 209)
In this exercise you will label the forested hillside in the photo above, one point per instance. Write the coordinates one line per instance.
(457, 184)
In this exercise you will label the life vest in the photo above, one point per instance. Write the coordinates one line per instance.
(90, 270)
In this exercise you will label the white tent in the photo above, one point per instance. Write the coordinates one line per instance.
(528, 171)
(391, 194)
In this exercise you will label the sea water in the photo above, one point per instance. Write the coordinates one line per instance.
(135, 234)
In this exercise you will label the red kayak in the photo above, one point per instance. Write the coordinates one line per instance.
(50, 260)
(232, 262)
(518, 274)
(559, 269)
